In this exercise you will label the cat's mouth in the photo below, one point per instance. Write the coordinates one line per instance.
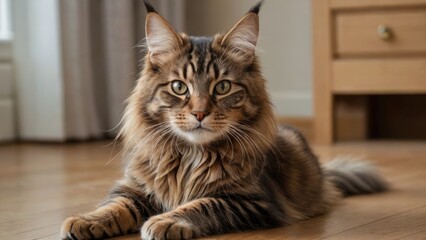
(200, 129)
(199, 134)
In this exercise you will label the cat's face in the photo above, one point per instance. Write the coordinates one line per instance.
(201, 89)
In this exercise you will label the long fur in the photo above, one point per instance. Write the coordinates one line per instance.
(354, 176)
(233, 170)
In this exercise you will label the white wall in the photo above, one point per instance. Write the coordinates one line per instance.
(284, 45)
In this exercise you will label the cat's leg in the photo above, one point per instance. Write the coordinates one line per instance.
(208, 216)
(122, 212)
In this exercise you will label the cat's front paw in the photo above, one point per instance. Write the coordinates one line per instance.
(77, 228)
(160, 228)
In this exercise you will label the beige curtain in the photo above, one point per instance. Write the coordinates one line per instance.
(102, 60)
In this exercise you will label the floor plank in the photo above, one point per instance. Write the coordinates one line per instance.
(41, 184)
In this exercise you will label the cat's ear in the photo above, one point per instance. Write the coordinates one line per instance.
(161, 39)
(242, 38)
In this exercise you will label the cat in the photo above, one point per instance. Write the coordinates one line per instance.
(204, 153)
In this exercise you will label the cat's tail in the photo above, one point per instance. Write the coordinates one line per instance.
(353, 176)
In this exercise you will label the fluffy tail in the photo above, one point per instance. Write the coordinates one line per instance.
(354, 177)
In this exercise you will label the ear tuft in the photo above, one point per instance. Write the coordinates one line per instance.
(256, 8)
(149, 7)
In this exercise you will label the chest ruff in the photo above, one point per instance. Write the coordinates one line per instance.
(176, 179)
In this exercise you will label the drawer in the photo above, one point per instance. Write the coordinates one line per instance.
(379, 76)
(380, 32)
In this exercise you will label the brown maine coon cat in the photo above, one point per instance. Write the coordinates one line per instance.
(204, 154)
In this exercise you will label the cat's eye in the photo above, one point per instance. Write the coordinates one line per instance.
(223, 87)
(179, 87)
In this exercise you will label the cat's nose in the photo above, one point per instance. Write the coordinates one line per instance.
(200, 115)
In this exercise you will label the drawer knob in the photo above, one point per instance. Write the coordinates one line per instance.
(384, 32)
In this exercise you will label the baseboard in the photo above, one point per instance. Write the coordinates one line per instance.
(295, 108)
(304, 124)
(5, 50)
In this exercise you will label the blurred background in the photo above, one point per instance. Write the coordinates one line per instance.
(67, 66)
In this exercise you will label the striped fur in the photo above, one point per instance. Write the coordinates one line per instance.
(230, 170)
(353, 176)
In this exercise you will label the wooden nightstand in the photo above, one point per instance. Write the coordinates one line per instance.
(363, 48)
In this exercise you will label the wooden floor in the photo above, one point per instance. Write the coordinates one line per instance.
(41, 184)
